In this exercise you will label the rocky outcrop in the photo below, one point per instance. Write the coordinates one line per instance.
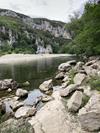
(79, 78)
(39, 35)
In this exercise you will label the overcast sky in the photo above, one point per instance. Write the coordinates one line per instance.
(51, 9)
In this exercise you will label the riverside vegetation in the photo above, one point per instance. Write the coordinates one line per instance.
(85, 31)
(71, 107)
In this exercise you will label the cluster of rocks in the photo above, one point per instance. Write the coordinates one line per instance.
(74, 76)
(73, 108)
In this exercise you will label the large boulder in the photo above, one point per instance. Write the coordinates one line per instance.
(75, 101)
(92, 68)
(8, 83)
(89, 116)
(21, 93)
(54, 118)
(25, 111)
(69, 89)
(79, 78)
(46, 85)
(90, 71)
(64, 67)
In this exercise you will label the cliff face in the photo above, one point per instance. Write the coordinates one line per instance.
(35, 35)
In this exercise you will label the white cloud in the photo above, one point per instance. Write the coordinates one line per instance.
(52, 9)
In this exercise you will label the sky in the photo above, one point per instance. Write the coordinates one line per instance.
(51, 9)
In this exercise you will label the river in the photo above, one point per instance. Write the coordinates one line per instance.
(35, 71)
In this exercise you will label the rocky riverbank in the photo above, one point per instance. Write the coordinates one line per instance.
(72, 107)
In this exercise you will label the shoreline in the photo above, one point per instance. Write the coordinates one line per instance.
(18, 58)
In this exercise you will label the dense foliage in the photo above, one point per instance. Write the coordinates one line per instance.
(85, 32)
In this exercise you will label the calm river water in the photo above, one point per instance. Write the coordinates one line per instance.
(35, 71)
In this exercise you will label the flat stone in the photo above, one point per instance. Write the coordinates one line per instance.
(69, 89)
(25, 111)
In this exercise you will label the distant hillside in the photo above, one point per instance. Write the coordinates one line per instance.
(22, 34)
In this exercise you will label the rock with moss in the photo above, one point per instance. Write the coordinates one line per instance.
(16, 126)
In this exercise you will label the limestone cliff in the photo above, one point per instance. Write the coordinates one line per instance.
(20, 33)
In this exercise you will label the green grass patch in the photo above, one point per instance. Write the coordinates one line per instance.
(72, 73)
(10, 22)
(94, 82)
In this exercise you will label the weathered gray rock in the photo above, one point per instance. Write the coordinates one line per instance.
(79, 78)
(64, 67)
(25, 111)
(54, 118)
(65, 92)
(46, 85)
(60, 75)
(75, 101)
(8, 83)
(78, 66)
(21, 93)
(89, 116)
(90, 71)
